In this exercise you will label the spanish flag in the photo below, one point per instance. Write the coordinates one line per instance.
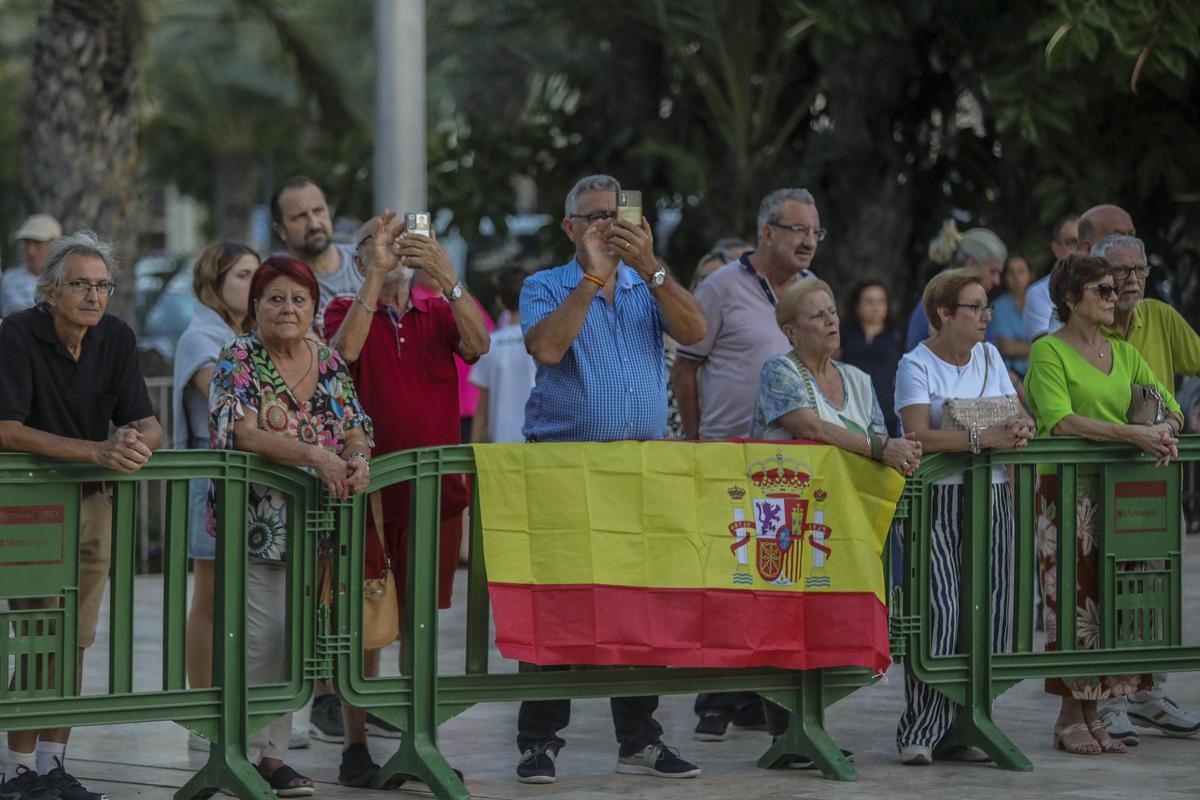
(715, 554)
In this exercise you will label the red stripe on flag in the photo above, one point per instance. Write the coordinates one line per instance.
(637, 626)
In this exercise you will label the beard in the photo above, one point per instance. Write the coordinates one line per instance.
(315, 245)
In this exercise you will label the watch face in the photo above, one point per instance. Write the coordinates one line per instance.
(658, 278)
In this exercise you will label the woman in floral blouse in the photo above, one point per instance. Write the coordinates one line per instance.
(278, 393)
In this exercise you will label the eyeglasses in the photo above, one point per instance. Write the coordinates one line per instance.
(978, 309)
(1140, 270)
(823, 316)
(803, 230)
(595, 216)
(83, 288)
(1105, 290)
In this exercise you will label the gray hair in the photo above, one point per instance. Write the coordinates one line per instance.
(769, 208)
(592, 183)
(1118, 241)
(952, 249)
(85, 243)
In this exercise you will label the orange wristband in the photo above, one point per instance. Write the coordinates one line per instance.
(587, 276)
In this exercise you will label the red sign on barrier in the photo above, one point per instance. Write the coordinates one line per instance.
(31, 535)
(1140, 507)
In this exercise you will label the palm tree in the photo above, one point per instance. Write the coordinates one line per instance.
(80, 124)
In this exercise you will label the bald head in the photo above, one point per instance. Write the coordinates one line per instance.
(1100, 221)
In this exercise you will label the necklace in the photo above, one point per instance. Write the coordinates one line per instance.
(311, 360)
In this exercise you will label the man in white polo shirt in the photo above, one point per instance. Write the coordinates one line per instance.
(716, 379)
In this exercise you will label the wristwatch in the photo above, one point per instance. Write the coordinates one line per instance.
(455, 293)
(658, 278)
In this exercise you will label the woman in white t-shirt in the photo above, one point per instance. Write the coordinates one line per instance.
(955, 363)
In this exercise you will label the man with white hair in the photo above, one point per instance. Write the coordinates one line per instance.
(70, 371)
(716, 379)
(1171, 347)
(18, 285)
(400, 347)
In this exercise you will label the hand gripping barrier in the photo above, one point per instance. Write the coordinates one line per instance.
(1138, 532)
(39, 516)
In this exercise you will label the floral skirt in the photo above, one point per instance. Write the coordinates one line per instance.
(1088, 505)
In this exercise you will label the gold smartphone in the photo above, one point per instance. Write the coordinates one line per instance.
(417, 222)
(629, 206)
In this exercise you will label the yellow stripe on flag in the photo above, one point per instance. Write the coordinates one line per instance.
(666, 515)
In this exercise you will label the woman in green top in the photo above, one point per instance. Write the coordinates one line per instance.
(1079, 385)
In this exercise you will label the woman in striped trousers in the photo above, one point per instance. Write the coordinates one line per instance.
(954, 363)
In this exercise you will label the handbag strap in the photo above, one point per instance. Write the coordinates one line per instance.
(987, 368)
(375, 503)
(803, 370)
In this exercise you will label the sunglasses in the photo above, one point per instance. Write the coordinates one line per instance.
(1105, 290)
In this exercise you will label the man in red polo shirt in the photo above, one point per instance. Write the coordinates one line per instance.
(400, 346)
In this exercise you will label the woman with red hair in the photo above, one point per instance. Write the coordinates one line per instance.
(280, 394)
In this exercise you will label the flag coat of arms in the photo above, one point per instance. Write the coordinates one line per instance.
(715, 554)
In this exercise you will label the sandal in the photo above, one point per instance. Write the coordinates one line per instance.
(1082, 743)
(1107, 743)
(286, 782)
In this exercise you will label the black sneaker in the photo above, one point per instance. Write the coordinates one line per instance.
(325, 724)
(658, 760)
(537, 764)
(712, 727)
(357, 768)
(67, 787)
(25, 784)
(382, 728)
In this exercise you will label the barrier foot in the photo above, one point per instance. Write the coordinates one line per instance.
(419, 759)
(976, 728)
(806, 734)
(229, 772)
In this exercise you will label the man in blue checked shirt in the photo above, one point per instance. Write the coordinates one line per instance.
(595, 327)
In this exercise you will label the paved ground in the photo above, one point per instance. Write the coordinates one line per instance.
(152, 761)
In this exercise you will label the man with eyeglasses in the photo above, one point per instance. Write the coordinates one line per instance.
(716, 379)
(595, 327)
(1092, 226)
(1171, 347)
(70, 371)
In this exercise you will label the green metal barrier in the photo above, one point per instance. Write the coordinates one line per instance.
(39, 510)
(1141, 626)
(422, 698)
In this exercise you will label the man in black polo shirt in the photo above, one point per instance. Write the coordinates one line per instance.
(67, 372)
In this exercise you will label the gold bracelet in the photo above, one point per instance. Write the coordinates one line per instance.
(587, 276)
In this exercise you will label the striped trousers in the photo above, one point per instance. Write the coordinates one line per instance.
(928, 714)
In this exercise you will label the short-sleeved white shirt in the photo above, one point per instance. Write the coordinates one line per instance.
(925, 379)
(508, 372)
(1039, 316)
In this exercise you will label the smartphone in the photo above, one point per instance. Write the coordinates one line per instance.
(417, 222)
(629, 206)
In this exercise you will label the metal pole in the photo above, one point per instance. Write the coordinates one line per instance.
(400, 106)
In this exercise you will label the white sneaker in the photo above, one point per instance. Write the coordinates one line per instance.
(1163, 715)
(1119, 726)
(916, 755)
